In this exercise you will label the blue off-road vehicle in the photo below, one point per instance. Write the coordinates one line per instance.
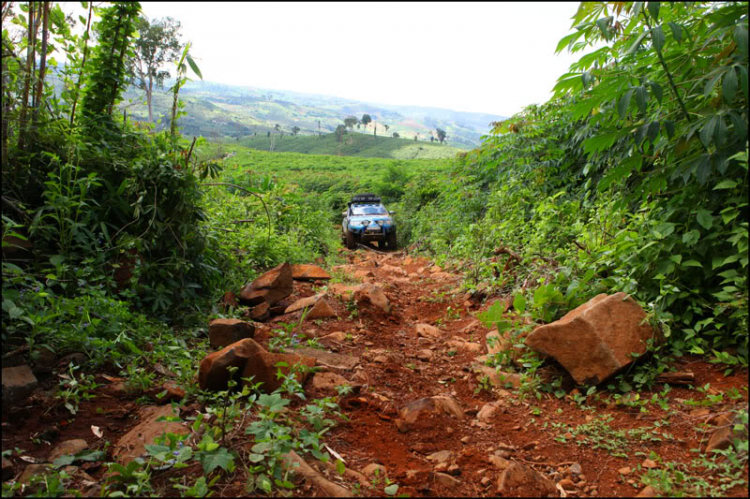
(365, 220)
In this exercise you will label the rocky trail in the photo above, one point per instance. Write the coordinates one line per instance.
(424, 413)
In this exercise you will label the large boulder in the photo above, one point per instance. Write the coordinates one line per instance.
(271, 287)
(597, 339)
(309, 273)
(213, 373)
(133, 444)
(321, 310)
(224, 332)
(262, 367)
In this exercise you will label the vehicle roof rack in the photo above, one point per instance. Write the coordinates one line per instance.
(365, 198)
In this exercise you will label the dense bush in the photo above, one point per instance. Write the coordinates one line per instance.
(633, 178)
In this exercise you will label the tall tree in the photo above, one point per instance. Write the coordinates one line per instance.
(366, 120)
(158, 44)
(441, 135)
(295, 130)
(340, 132)
(350, 121)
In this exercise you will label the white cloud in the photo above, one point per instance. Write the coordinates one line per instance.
(482, 57)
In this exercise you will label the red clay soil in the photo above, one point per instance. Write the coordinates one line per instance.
(548, 434)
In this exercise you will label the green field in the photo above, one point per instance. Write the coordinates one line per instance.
(352, 144)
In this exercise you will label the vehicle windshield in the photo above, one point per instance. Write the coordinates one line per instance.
(369, 210)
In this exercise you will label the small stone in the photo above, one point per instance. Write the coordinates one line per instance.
(486, 481)
(500, 462)
(440, 456)
(650, 464)
(567, 484)
(374, 469)
(624, 471)
(425, 354)
(454, 470)
(427, 331)
(575, 468)
(466, 439)
(648, 491)
(261, 312)
(68, 448)
(446, 480)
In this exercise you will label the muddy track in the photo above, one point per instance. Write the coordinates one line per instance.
(582, 448)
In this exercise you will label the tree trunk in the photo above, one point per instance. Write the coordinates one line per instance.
(42, 67)
(83, 64)
(124, 47)
(26, 83)
(149, 93)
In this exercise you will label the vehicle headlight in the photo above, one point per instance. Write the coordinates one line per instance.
(365, 222)
(380, 222)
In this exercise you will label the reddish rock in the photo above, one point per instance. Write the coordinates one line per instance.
(213, 374)
(133, 444)
(271, 287)
(229, 300)
(499, 378)
(262, 367)
(261, 312)
(648, 491)
(303, 303)
(427, 331)
(67, 448)
(329, 360)
(18, 383)
(171, 390)
(410, 413)
(724, 435)
(327, 382)
(309, 273)
(520, 481)
(343, 290)
(595, 340)
(371, 294)
(223, 332)
(321, 310)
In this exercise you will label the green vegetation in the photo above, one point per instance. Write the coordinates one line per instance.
(633, 178)
(351, 144)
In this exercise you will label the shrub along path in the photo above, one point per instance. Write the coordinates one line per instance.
(422, 415)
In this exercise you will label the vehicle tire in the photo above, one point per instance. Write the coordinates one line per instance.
(391, 240)
(351, 242)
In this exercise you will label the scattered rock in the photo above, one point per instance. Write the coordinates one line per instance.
(337, 336)
(427, 331)
(173, 393)
(500, 462)
(374, 469)
(724, 436)
(67, 448)
(371, 294)
(18, 383)
(321, 310)
(343, 290)
(575, 468)
(440, 456)
(393, 270)
(446, 480)
(262, 367)
(648, 491)
(486, 481)
(309, 273)
(229, 300)
(425, 354)
(327, 382)
(133, 444)
(33, 470)
(624, 471)
(466, 439)
(8, 471)
(499, 378)
(213, 374)
(519, 480)
(261, 312)
(271, 287)
(597, 339)
(413, 411)
(567, 484)
(650, 464)
(487, 411)
(223, 332)
(330, 360)
(302, 303)
(460, 344)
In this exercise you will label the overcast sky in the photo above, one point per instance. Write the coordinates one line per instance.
(481, 57)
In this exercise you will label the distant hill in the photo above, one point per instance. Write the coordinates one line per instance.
(219, 111)
(352, 144)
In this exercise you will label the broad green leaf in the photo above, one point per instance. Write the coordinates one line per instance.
(641, 98)
(710, 84)
(707, 133)
(720, 132)
(739, 124)
(704, 218)
(740, 36)
(657, 36)
(656, 90)
(624, 103)
(669, 127)
(743, 79)
(703, 166)
(729, 85)
(692, 263)
(219, 459)
(636, 43)
(194, 67)
(676, 31)
(519, 303)
(653, 131)
(603, 25)
(340, 467)
(653, 9)
(725, 184)
(676, 258)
